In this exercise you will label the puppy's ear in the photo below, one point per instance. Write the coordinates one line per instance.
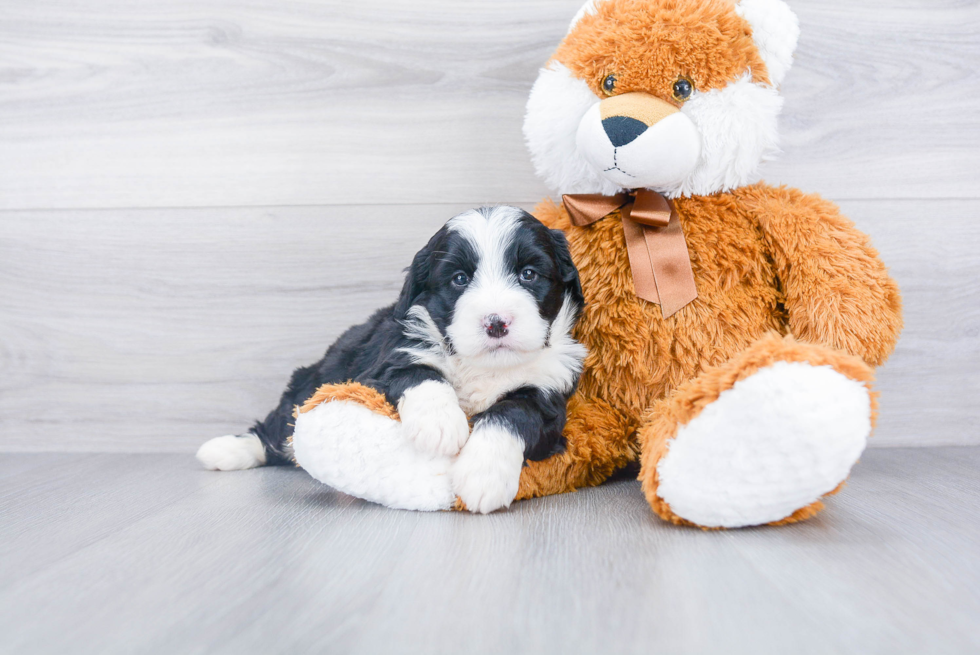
(415, 280)
(566, 267)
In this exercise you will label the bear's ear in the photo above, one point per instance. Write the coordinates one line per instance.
(587, 8)
(775, 30)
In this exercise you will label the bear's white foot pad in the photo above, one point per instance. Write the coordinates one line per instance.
(775, 442)
(232, 453)
(367, 455)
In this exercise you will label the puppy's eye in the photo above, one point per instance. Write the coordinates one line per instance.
(529, 275)
(609, 84)
(461, 279)
(683, 88)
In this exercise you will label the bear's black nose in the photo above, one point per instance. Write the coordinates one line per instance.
(623, 129)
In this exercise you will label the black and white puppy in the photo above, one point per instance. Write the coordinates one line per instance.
(482, 329)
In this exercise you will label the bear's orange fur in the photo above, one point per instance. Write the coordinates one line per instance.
(769, 262)
(647, 45)
(350, 392)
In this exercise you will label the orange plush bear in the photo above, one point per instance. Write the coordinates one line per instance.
(732, 326)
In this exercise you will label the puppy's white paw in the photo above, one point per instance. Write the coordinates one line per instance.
(432, 418)
(487, 472)
(232, 453)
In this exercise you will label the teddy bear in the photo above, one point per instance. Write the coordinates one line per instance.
(732, 327)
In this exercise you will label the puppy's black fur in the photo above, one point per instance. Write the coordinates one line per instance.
(372, 353)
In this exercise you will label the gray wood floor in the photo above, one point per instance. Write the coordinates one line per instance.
(149, 554)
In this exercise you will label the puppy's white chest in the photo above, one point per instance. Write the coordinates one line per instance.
(478, 389)
(553, 369)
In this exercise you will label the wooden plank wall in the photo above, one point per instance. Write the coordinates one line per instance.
(197, 196)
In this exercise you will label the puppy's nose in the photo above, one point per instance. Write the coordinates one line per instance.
(623, 129)
(496, 327)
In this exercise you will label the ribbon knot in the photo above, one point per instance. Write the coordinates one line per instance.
(658, 254)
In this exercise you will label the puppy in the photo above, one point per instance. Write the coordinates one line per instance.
(480, 334)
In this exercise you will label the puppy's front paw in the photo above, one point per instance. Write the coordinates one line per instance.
(432, 419)
(487, 472)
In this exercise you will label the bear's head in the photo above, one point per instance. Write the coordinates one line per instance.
(676, 96)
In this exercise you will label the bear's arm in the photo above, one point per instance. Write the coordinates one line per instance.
(837, 290)
(552, 215)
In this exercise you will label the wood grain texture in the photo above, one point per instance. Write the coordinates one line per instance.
(287, 102)
(127, 329)
(930, 386)
(152, 330)
(150, 554)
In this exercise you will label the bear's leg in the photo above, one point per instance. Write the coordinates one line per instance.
(759, 439)
(597, 446)
(349, 437)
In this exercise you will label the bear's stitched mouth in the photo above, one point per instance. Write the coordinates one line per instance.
(615, 166)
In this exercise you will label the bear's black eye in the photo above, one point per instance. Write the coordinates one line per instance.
(609, 84)
(529, 275)
(461, 279)
(683, 89)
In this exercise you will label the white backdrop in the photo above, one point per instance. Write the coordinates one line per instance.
(196, 196)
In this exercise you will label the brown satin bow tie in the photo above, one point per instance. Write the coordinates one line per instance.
(655, 243)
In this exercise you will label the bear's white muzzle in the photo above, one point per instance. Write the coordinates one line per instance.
(636, 140)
